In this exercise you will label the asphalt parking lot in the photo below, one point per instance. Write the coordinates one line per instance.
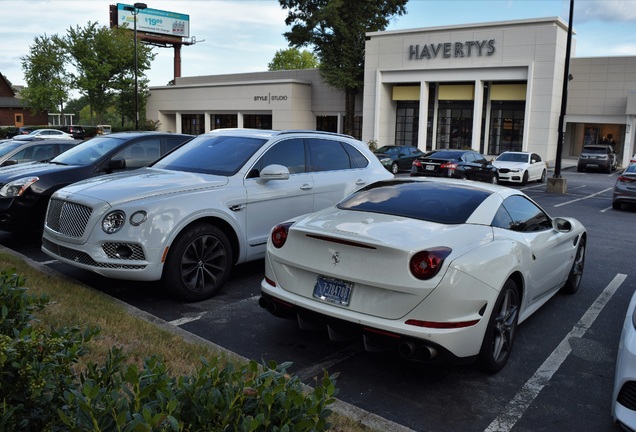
(559, 377)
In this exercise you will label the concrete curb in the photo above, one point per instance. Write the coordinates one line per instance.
(361, 416)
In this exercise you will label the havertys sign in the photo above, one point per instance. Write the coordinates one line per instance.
(154, 21)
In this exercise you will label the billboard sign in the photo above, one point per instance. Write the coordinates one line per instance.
(155, 21)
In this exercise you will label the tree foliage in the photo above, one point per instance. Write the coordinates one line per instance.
(48, 83)
(293, 58)
(337, 30)
(104, 61)
(97, 61)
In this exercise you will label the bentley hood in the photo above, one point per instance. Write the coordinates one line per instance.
(143, 183)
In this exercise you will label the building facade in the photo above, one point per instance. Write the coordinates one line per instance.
(13, 112)
(294, 99)
(491, 87)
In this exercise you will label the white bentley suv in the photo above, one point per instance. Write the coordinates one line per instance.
(210, 204)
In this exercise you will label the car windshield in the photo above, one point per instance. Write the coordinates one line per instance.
(212, 154)
(512, 157)
(88, 151)
(595, 150)
(631, 169)
(388, 149)
(444, 154)
(9, 146)
(429, 201)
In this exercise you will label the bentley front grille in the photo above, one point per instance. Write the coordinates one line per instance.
(67, 218)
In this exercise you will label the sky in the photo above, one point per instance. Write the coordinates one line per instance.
(234, 36)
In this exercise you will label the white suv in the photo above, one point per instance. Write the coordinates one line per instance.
(209, 204)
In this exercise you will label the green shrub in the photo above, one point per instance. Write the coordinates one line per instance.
(39, 389)
(35, 364)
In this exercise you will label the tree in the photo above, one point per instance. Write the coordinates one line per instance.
(104, 61)
(293, 58)
(337, 29)
(48, 83)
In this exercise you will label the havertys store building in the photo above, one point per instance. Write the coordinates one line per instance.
(491, 87)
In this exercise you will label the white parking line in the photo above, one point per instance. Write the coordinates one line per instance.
(520, 403)
(337, 357)
(185, 320)
(583, 198)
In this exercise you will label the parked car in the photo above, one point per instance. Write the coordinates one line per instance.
(623, 401)
(436, 269)
(78, 132)
(461, 164)
(599, 156)
(520, 167)
(22, 130)
(104, 129)
(25, 189)
(397, 158)
(204, 207)
(13, 152)
(625, 187)
(46, 134)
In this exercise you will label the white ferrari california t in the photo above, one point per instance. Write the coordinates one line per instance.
(437, 269)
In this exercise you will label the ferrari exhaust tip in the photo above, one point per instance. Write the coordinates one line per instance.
(410, 349)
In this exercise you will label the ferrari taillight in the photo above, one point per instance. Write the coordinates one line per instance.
(427, 263)
(279, 234)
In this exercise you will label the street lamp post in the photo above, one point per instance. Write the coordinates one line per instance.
(135, 10)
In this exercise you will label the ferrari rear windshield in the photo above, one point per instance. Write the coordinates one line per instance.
(424, 200)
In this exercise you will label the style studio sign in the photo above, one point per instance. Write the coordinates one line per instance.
(269, 98)
(452, 50)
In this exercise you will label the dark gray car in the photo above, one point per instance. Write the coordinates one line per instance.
(599, 156)
(625, 187)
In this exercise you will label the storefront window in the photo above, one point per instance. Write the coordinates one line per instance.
(221, 121)
(192, 124)
(327, 123)
(506, 127)
(455, 125)
(407, 123)
(357, 126)
(257, 121)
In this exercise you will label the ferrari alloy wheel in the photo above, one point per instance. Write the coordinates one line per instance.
(576, 273)
(199, 263)
(501, 330)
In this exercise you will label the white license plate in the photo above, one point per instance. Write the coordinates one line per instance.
(333, 290)
(430, 167)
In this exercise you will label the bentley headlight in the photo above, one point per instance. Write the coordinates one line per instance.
(113, 221)
(17, 187)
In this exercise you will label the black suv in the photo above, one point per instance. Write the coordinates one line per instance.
(25, 189)
(78, 132)
(600, 156)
